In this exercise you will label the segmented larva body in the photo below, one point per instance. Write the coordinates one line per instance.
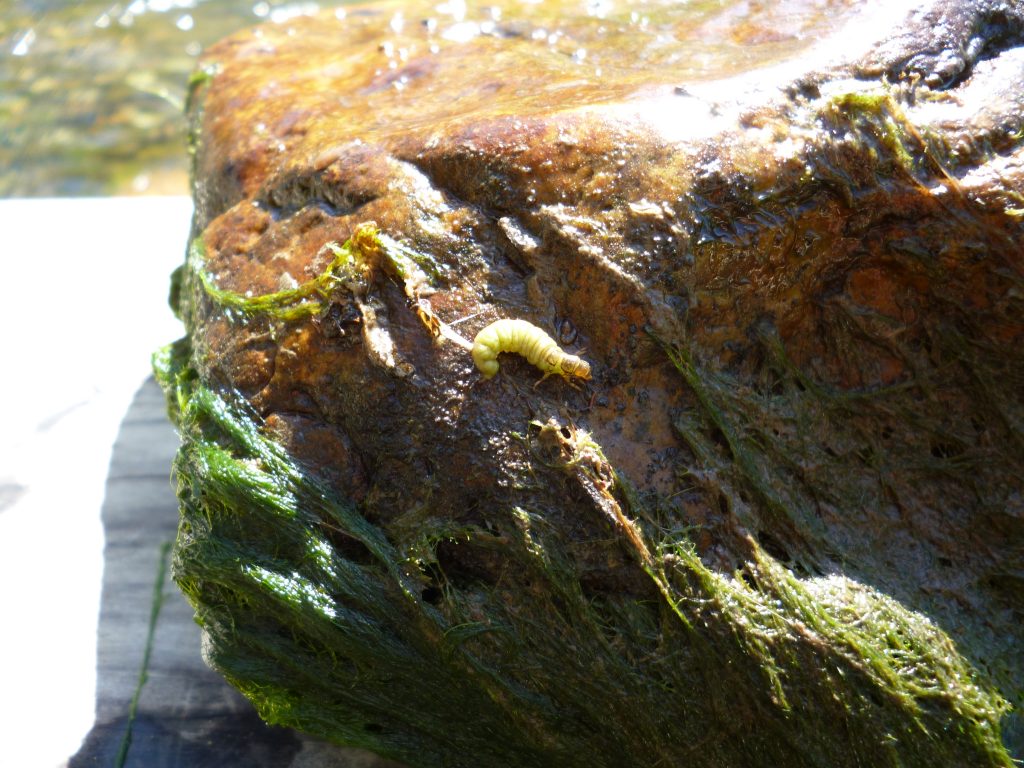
(531, 342)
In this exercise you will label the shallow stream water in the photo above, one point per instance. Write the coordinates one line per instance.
(92, 92)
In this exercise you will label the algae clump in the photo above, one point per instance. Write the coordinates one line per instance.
(330, 624)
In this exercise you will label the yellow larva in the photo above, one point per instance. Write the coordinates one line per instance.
(531, 342)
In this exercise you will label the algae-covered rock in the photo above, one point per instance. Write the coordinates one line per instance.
(782, 523)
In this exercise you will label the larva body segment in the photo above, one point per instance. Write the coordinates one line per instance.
(526, 339)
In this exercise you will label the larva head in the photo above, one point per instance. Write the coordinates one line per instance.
(572, 366)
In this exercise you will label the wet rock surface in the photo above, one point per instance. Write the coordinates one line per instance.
(790, 495)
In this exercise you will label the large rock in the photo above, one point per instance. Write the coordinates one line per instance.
(783, 522)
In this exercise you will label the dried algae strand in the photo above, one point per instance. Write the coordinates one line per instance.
(351, 268)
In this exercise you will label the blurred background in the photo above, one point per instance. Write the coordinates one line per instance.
(92, 92)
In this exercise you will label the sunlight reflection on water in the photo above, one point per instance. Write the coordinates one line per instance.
(92, 92)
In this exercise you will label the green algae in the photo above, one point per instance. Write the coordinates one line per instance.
(351, 268)
(198, 79)
(877, 113)
(287, 305)
(744, 456)
(342, 628)
(896, 145)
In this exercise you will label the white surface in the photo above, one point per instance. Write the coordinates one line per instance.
(84, 305)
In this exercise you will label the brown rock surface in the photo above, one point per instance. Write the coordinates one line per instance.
(789, 246)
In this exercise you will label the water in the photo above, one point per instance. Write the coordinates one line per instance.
(91, 92)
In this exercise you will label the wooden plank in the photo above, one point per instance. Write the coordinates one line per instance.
(186, 715)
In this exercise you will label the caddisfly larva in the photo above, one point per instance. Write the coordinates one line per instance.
(531, 342)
